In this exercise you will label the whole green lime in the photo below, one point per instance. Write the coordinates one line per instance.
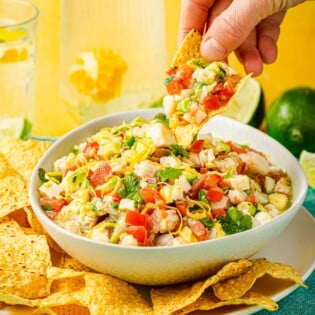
(291, 119)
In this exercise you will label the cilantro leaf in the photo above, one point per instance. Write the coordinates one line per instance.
(41, 175)
(168, 79)
(168, 173)
(130, 186)
(207, 222)
(160, 117)
(130, 141)
(47, 207)
(235, 221)
(202, 196)
(177, 150)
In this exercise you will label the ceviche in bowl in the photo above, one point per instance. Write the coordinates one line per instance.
(123, 197)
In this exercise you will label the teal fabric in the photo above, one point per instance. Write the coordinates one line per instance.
(300, 301)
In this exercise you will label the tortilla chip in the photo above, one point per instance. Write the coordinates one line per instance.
(30, 150)
(69, 262)
(209, 302)
(172, 298)
(237, 286)
(102, 294)
(185, 134)
(24, 260)
(13, 190)
(189, 48)
(65, 280)
(9, 227)
(71, 309)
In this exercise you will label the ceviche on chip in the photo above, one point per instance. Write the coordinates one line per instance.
(135, 185)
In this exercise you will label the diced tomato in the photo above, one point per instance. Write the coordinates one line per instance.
(225, 94)
(196, 146)
(116, 197)
(174, 87)
(211, 102)
(199, 230)
(136, 218)
(251, 198)
(215, 194)
(211, 180)
(172, 70)
(90, 150)
(52, 204)
(150, 194)
(203, 170)
(185, 73)
(140, 233)
(100, 175)
(236, 148)
(206, 181)
(181, 205)
(217, 212)
(242, 168)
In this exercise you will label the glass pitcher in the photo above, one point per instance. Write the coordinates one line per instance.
(113, 55)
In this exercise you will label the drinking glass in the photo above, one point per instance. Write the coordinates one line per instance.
(18, 19)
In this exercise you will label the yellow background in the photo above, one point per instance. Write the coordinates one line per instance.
(295, 65)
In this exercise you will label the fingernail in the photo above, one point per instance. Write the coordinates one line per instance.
(213, 50)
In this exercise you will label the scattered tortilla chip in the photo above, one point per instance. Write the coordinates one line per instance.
(9, 227)
(209, 302)
(30, 150)
(71, 309)
(13, 191)
(172, 298)
(189, 48)
(24, 260)
(69, 262)
(65, 280)
(237, 286)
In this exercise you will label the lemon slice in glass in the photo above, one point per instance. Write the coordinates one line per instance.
(247, 105)
(18, 127)
(307, 160)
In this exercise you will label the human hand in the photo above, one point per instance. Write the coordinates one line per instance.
(249, 27)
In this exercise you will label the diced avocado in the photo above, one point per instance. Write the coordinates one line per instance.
(246, 206)
(280, 201)
(184, 105)
(222, 147)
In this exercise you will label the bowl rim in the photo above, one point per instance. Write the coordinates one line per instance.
(42, 217)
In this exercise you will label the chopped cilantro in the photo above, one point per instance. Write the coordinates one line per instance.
(207, 222)
(177, 150)
(235, 221)
(130, 141)
(41, 175)
(221, 74)
(115, 205)
(130, 186)
(202, 196)
(160, 117)
(168, 173)
(47, 207)
(168, 79)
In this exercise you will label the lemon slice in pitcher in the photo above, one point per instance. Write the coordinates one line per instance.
(248, 105)
(307, 160)
(18, 127)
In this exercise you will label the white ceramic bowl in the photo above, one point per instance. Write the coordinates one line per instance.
(166, 265)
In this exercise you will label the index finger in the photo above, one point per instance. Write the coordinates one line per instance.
(193, 15)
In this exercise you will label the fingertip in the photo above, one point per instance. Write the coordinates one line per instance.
(268, 49)
(251, 60)
(213, 50)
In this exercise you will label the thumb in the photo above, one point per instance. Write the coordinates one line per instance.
(228, 29)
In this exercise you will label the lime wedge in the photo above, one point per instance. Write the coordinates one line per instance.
(18, 127)
(307, 160)
(247, 105)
